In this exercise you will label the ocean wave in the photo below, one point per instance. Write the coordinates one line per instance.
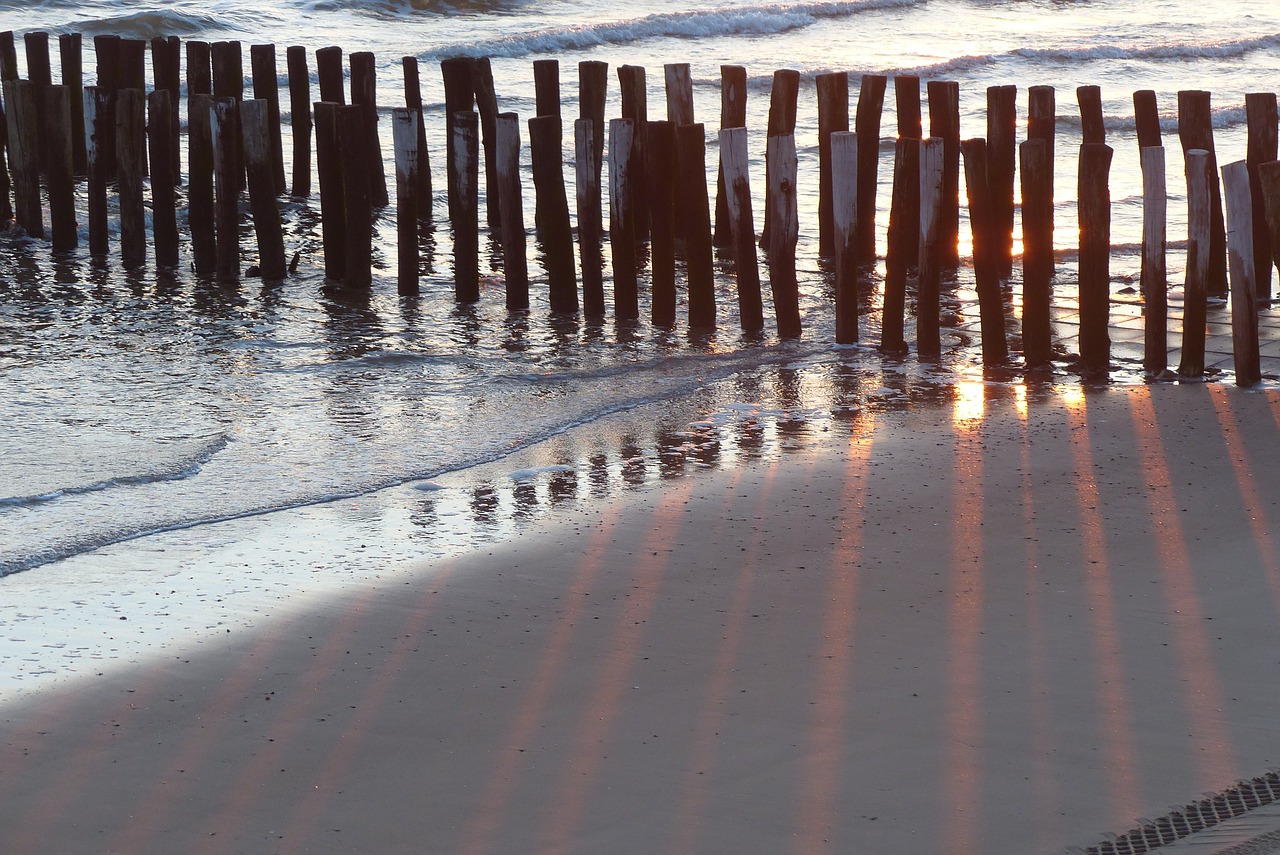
(708, 23)
(150, 24)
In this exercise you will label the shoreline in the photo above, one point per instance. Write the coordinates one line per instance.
(970, 630)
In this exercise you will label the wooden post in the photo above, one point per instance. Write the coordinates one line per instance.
(199, 69)
(833, 115)
(1146, 115)
(662, 169)
(622, 217)
(1199, 239)
(329, 74)
(780, 198)
(555, 233)
(1269, 190)
(590, 223)
(8, 57)
(464, 161)
(691, 144)
(62, 198)
(906, 90)
(903, 238)
(353, 144)
(266, 87)
(71, 56)
(1260, 108)
(1042, 123)
(783, 102)
(131, 145)
(200, 195)
(593, 91)
(741, 225)
(1095, 255)
(164, 214)
(944, 122)
(635, 106)
(224, 122)
(866, 124)
(933, 154)
(515, 262)
(733, 114)
(404, 137)
(546, 84)
(1092, 128)
(458, 74)
(41, 76)
(263, 177)
(300, 118)
(133, 64)
(332, 204)
(1195, 130)
(1147, 118)
(364, 95)
(487, 105)
(1002, 159)
(413, 100)
(6, 204)
(679, 84)
(906, 96)
(106, 51)
(844, 214)
(228, 82)
(1244, 305)
(96, 187)
(24, 159)
(1036, 169)
(986, 250)
(1154, 274)
(166, 71)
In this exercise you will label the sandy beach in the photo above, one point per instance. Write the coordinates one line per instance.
(1008, 624)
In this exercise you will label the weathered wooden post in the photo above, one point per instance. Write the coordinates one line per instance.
(622, 216)
(1154, 274)
(263, 178)
(1042, 124)
(266, 87)
(555, 233)
(780, 198)
(1244, 305)
(413, 100)
(200, 183)
(733, 114)
(224, 122)
(691, 143)
(6, 203)
(515, 263)
(933, 154)
(1095, 255)
(71, 56)
(590, 223)
(164, 213)
(404, 137)
(1269, 189)
(1195, 130)
(741, 225)
(1036, 169)
(833, 116)
(906, 92)
(1260, 109)
(635, 106)
(199, 69)
(944, 123)
(458, 74)
(986, 251)
(662, 169)
(903, 239)
(866, 124)
(1092, 128)
(1146, 114)
(133, 64)
(1002, 158)
(783, 103)
(41, 76)
(679, 88)
(546, 85)
(329, 74)
(464, 178)
(364, 88)
(844, 215)
(8, 56)
(300, 123)
(62, 198)
(1199, 240)
(593, 91)
(332, 204)
(131, 146)
(106, 51)
(95, 128)
(357, 196)
(228, 82)
(24, 154)
(487, 105)
(166, 64)
(906, 97)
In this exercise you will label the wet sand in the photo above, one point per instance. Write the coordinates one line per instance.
(1003, 626)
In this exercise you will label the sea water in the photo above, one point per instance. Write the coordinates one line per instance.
(139, 403)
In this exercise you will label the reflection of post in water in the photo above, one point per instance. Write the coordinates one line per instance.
(789, 398)
(670, 453)
(563, 486)
(598, 475)
(425, 519)
(705, 448)
(634, 471)
(525, 497)
(484, 506)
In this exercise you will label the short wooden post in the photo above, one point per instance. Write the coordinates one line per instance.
(332, 205)
(164, 214)
(413, 100)
(906, 91)
(515, 262)
(691, 143)
(464, 161)
(866, 124)
(1244, 305)
(833, 115)
(199, 69)
(62, 198)
(1146, 115)
(622, 216)
(1095, 255)
(1260, 108)
(364, 88)
(24, 159)
(986, 250)
(844, 215)
(635, 106)
(200, 184)
(41, 76)
(1042, 124)
(903, 243)
(663, 168)
(933, 154)
(71, 56)
(555, 233)
(741, 225)
(266, 87)
(263, 177)
(106, 51)
(783, 103)
(300, 123)
(329, 74)
(357, 197)
(458, 74)
(679, 87)
(944, 122)
(590, 223)
(546, 85)
(1269, 190)
(1036, 170)
(487, 105)
(131, 146)
(1199, 240)
(1154, 273)
(224, 124)
(1002, 159)
(1092, 128)
(96, 187)
(733, 114)
(1195, 131)
(404, 137)
(780, 198)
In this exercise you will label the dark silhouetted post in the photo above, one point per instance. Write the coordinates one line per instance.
(555, 233)
(904, 240)
(266, 87)
(691, 143)
(986, 255)
(663, 169)
(1042, 124)
(944, 123)
(164, 214)
(404, 137)
(260, 167)
(1154, 274)
(329, 74)
(71, 55)
(364, 95)
(590, 222)
(353, 144)
(62, 197)
(227, 169)
(733, 114)
(1002, 159)
(866, 124)
(1260, 108)
(94, 130)
(464, 163)
(1146, 115)
(1036, 169)
(200, 185)
(1199, 239)
(332, 204)
(1095, 255)
(487, 105)
(413, 100)
(635, 106)
(1092, 128)
(24, 154)
(933, 153)
(622, 216)
(783, 102)
(780, 198)
(737, 193)
(844, 214)
(300, 118)
(1240, 252)
(833, 115)
(1195, 131)
(515, 263)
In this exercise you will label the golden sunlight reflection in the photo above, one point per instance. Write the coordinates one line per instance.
(970, 403)
(1072, 397)
(1020, 401)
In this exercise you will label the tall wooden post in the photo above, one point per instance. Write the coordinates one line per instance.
(1095, 255)
(1036, 170)
(106, 51)
(844, 214)
(783, 102)
(227, 169)
(228, 82)
(263, 179)
(300, 122)
(404, 136)
(904, 237)
(364, 89)
(1092, 128)
(737, 193)
(1042, 124)
(906, 91)
(593, 91)
(1269, 189)
(62, 199)
(200, 183)
(266, 87)
(329, 75)
(833, 116)
(635, 106)
(8, 57)
(1146, 115)
(986, 250)
(332, 203)
(1154, 274)
(1240, 251)
(944, 123)
(357, 196)
(164, 214)
(96, 189)
(166, 64)
(71, 55)
(24, 154)
(487, 105)
(662, 169)
(1002, 158)
(40, 74)
(464, 178)
(131, 146)
(458, 74)
(1195, 130)
(413, 100)
(692, 146)
(199, 69)
(933, 154)
(622, 216)
(866, 124)
(780, 198)
(1199, 240)
(590, 224)
(556, 236)
(546, 85)
(733, 114)
(515, 263)
(1260, 108)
